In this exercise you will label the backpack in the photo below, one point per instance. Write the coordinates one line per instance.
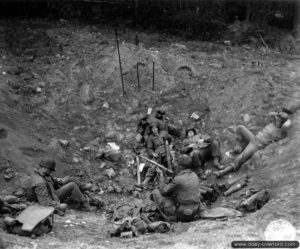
(32, 222)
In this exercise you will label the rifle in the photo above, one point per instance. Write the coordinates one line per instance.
(167, 152)
(157, 165)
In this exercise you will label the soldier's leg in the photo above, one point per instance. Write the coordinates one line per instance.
(216, 153)
(165, 206)
(245, 136)
(198, 163)
(250, 149)
(70, 190)
(151, 173)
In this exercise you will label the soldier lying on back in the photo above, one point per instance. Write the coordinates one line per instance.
(201, 149)
(250, 143)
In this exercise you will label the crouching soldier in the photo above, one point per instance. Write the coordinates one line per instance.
(44, 188)
(180, 199)
(201, 149)
(156, 151)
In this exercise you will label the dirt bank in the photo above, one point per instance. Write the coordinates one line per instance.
(76, 70)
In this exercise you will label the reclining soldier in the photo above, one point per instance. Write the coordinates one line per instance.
(180, 199)
(156, 151)
(201, 149)
(44, 188)
(249, 143)
(143, 131)
(163, 124)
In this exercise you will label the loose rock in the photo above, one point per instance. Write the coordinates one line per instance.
(63, 142)
(110, 189)
(110, 173)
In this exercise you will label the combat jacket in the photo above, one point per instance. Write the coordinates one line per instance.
(155, 144)
(270, 133)
(43, 189)
(184, 188)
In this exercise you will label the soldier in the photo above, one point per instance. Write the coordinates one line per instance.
(44, 188)
(163, 124)
(201, 149)
(156, 151)
(143, 131)
(180, 199)
(249, 143)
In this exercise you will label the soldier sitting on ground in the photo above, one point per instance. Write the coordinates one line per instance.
(180, 199)
(156, 151)
(163, 124)
(201, 149)
(143, 132)
(249, 143)
(46, 192)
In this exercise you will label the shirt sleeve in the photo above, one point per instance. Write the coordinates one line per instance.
(169, 189)
(150, 146)
(43, 196)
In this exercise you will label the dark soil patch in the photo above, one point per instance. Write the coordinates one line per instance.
(33, 152)
(3, 133)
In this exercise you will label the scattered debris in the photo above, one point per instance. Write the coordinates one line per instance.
(105, 105)
(9, 174)
(63, 142)
(195, 116)
(253, 200)
(220, 213)
(110, 173)
(114, 146)
(246, 118)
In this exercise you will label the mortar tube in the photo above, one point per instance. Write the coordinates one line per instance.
(206, 188)
(235, 188)
(224, 171)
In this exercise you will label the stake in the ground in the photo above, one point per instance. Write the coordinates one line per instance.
(138, 75)
(153, 79)
(120, 64)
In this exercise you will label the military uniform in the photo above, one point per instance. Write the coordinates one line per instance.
(180, 199)
(203, 151)
(251, 143)
(155, 144)
(45, 193)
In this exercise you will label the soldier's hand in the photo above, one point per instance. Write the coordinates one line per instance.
(61, 207)
(159, 171)
(155, 155)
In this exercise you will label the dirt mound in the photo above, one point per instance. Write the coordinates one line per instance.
(60, 97)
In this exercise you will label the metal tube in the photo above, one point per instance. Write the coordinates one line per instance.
(157, 164)
(138, 75)
(120, 64)
(138, 170)
(153, 80)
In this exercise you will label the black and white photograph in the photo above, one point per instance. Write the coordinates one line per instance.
(149, 124)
